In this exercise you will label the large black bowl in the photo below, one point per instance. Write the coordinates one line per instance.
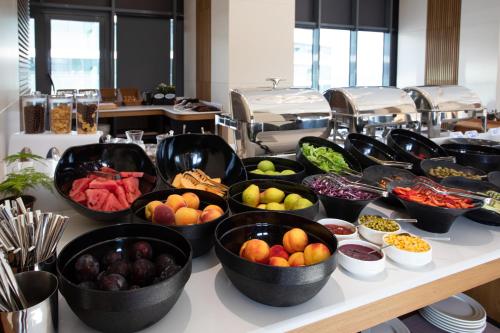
(312, 169)
(280, 164)
(209, 153)
(361, 146)
(275, 286)
(201, 236)
(483, 216)
(376, 173)
(413, 147)
(494, 178)
(237, 206)
(124, 311)
(427, 165)
(78, 161)
(430, 218)
(340, 208)
(471, 141)
(480, 157)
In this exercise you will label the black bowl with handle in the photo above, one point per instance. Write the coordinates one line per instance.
(428, 165)
(480, 157)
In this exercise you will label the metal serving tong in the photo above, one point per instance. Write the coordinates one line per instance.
(440, 189)
(344, 182)
(397, 164)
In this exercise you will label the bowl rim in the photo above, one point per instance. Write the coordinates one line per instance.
(375, 231)
(417, 137)
(231, 197)
(353, 138)
(455, 147)
(394, 248)
(134, 213)
(246, 162)
(184, 267)
(363, 243)
(332, 197)
(331, 220)
(218, 243)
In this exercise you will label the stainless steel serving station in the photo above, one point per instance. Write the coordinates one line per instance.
(442, 106)
(369, 109)
(270, 120)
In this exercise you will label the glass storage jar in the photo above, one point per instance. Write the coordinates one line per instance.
(60, 109)
(34, 112)
(86, 112)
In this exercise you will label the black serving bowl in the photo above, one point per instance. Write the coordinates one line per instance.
(480, 157)
(128, 310)
(483, 216)
(494, 178)
(361, 146)
(237, 206)
(312, 169)
(201, 236)
(280, 164)
(275, 286)
(209, 153)
(430, 218)
(427, 165)
(409, 145)
(78, 161)
(340, 208)
(471, 141)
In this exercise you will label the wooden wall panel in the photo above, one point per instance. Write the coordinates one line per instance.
(443, 37)
(203, 49)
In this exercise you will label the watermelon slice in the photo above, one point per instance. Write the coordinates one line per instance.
(127, 174)
(80, 185)
(79, 197)
(121, 196)
(96, 198)
(131, 186)
(104, 183)
(112, 204)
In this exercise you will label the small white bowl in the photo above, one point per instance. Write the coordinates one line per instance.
(375, 236)
(361, 267)
(341, 223)
(408, 258)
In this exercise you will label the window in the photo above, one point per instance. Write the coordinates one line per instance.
(32, 57)
(334, 50)
(370, 58)
(302, 61)
(75, 54)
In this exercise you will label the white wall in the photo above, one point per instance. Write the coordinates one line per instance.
(411, 42)
(190, 48)
(251, 40)
(480, 49)
(9, 82)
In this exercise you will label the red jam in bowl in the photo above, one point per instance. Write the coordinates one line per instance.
(339, 230)
(360, 252)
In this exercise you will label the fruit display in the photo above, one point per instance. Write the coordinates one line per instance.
(197, 179)
(407, 242)
(325, 158)
(181, 210)
(266, 167)
(379, 223)
(428, 197)
(273, 199)
(118, 269)
(294, 251)
(443, 172)
(102, 193)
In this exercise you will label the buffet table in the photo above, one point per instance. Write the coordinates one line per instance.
(209, 302)
(157, 110)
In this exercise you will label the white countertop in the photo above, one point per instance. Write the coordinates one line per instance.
(210, 303)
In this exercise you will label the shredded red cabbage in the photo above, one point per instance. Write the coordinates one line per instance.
(334, 188)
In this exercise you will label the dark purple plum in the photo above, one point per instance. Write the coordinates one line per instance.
(121, 267)
(142, 250)
(169, 272)
(142, 273)
(88, 285)
(86, 268)
(113, 282)
(111, 257)
(162, 262)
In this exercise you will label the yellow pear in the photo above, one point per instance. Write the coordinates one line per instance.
(272, 194)
(262, 206)
(251, 195)
(275, 206)
(302, 203)
(291, 200)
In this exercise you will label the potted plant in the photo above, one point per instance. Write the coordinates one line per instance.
(164, 95)
(20, 180)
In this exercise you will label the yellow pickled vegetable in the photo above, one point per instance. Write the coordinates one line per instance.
(407, 243)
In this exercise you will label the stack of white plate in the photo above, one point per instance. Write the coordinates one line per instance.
(391, 326)
(457, 314)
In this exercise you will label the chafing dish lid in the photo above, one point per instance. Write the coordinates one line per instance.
(446, 98)
(358, 101)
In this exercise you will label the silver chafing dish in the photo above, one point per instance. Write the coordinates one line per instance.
(368, 109)
(270, 121)
(442, 106)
